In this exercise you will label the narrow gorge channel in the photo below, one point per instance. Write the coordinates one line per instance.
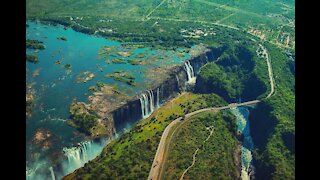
(247, 168)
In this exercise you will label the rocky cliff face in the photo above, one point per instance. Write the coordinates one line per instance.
(201, 60)
(129, 113)
(132, 111)
(168, 89)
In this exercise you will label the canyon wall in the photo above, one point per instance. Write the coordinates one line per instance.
(168, 89)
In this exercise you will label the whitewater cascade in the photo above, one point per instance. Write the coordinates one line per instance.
(190, 72)
(178, 81)
(144, 106)
(84, 152)
(147, 102)
(151, 101)
(207, 59)
(52, 173)
(242, 114)
(158, 97)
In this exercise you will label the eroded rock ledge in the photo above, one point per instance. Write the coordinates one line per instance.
(112, 110)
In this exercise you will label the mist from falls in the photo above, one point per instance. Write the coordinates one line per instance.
(75, 157)
(84, 152)
(43, 168)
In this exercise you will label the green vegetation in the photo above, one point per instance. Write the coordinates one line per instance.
(273, 123)
(67, 66)
(122, 77)
(85, 122)
(127, 81)
(131, 156)
(34, 44)
(82, 118)
(117, 91)
(234, 29)
(273, 120)
(141, 55)
(236, 73)
(105, 51)
(32, 58)
(215, 158)
(57, 62)
(84, 77)
(116, 61)
(62, 38)
(99, 84)
(134, 62)
(212, 78)
(141, 21)
(167, 36)
(93, 89)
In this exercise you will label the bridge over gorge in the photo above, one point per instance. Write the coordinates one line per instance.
(157, 167)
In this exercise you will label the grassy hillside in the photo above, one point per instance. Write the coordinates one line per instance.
(132, 154)
(273, 123)
(217, 158)
(273, 120)
(237, 73)
(234, 26)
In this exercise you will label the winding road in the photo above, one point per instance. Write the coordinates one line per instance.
(160, 157)
(272, 82)
(147, 16)
(157, 167)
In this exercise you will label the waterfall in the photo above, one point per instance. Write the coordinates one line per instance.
(84, 152)
(158, 97)
(191, 68)
(190, 72)
(187, 70)
(52, 173)
(178, 81)
(147, 102)
(73, 155)
(41, 169)
(144, 106)
(151, 100)
(76, 157)
(207, 59)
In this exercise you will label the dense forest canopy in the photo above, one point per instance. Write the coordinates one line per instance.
(233, 30)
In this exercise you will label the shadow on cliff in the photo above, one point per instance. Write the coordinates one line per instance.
(231, 76)
(262, 125)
